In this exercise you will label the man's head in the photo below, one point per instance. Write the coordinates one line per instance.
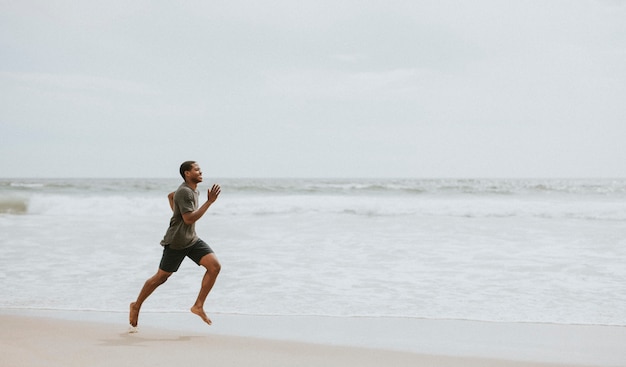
(190, 170)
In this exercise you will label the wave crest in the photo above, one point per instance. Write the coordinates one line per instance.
(13, 205)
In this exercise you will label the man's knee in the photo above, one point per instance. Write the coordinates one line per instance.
(161, 276)
(215, 267)
(211, 263)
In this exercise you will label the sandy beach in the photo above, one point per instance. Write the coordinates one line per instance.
(49, 338)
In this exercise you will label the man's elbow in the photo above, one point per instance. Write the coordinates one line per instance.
(188, 219)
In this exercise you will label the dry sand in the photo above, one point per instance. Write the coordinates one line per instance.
(27, 340)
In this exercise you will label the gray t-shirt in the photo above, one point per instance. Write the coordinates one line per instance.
(180, 235)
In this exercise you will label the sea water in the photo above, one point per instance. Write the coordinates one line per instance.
(493, 249)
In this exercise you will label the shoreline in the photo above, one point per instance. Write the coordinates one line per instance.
(430, 342)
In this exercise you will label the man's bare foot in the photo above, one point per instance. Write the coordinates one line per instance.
(133, 316)
(200, 312)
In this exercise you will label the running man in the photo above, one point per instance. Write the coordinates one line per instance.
(181, 241)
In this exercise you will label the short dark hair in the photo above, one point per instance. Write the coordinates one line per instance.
(186, 166)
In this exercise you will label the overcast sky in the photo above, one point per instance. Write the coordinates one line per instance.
(313, 88)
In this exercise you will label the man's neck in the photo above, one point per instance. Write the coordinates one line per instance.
(193, 185)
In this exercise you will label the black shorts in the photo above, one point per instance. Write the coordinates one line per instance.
(171, 259)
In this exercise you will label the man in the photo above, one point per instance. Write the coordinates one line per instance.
(181, 241)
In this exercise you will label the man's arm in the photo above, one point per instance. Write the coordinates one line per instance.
(192, 217)
(170, 197)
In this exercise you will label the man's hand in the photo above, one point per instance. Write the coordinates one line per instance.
(213, 193)
(170, 198)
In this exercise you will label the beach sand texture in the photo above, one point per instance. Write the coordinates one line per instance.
(50, 342)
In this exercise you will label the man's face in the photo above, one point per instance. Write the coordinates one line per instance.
(194, 174)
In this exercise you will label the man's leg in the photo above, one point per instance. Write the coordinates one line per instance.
(212, 265)
(151, 284)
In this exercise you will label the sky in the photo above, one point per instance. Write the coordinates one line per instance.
(424, 89)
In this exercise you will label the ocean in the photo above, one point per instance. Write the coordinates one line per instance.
(518, 250)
